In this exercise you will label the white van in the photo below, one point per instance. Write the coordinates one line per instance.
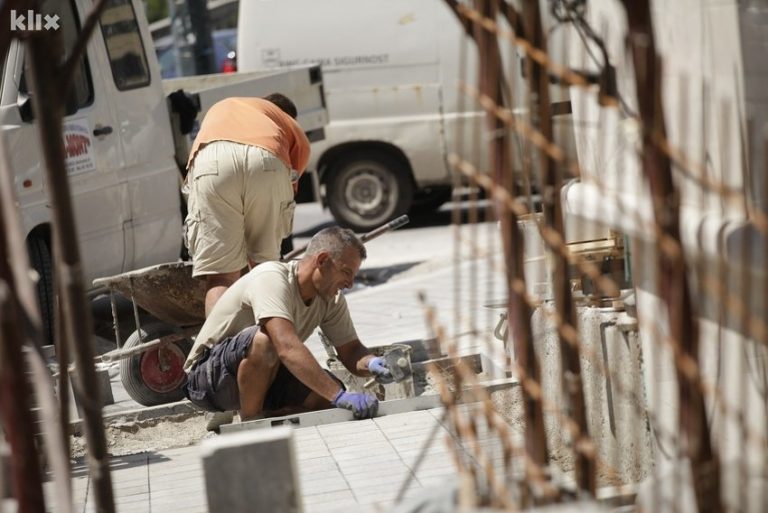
(391, 70)
(119, 143)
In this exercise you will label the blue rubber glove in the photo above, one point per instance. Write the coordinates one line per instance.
(378, 367)
(362, 406)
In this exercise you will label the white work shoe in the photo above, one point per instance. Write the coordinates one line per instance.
(215, 419)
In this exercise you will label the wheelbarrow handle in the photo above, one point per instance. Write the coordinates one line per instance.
(392, 225)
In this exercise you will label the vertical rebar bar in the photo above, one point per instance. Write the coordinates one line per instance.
(15, 400)
(48, 101)
(518, 310)
(553, 217)
(673, 280)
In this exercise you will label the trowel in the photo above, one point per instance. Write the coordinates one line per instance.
(398, 363)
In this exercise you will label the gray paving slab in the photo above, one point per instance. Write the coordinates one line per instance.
(348, 475)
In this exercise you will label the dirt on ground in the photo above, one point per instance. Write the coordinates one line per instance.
(149, 435)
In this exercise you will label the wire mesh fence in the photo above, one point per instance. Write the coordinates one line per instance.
(627, 182)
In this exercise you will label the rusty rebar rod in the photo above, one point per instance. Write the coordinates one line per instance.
(49, 95)
(552, 183)
(672, 280)
(15, 400)
(518, 311)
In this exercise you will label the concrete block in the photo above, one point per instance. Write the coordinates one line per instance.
(252, 471)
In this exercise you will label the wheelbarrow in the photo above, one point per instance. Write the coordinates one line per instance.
(152, 357)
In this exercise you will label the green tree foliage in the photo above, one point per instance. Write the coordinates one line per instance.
(156, 9)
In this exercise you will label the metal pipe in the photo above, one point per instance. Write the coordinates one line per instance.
(376, 232)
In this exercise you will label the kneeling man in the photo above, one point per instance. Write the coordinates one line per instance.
(250, 353)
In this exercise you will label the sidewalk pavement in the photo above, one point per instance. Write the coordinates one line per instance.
(344, 467)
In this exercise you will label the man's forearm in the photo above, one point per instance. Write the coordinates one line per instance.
(302, 364)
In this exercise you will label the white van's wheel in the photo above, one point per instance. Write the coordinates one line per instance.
(367, 189)
(155, 376)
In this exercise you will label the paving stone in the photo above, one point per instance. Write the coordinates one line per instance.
(376, 496)
(130, 482)
(313, 453)
(356, 439)
(332, 507)
(235, 477)
(127, 491)
(163, 481)
(180, 464)
(366, 462)
(337, 497)
(421, 429)
(405, 445)
(320, 473)
(388, 480)
(139, 508)
(193, 489)
(318, 464)
(132, 504)
(363, 450)
(389, 470)
(404, 419)
(188, 483)
(353, 427)
(429, 456)
(332, 484)
(437, 480)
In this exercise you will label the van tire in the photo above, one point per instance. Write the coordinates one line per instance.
(41, 261)
(365, 189)
(143, 377)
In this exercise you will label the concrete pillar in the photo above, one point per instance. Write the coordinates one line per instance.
(252, 471)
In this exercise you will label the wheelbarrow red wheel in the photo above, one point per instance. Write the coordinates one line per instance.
(155, 376)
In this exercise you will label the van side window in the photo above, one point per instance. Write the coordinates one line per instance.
(124, 45)
(69, 26)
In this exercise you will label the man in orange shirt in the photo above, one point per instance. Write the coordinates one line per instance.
(240, 187)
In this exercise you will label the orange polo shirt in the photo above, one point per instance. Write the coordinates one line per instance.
(256, 122)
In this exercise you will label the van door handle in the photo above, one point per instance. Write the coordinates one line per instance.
(102, 130)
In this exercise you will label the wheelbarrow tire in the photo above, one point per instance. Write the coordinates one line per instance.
(155, 376)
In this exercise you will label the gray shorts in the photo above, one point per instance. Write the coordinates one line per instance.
(212, 382)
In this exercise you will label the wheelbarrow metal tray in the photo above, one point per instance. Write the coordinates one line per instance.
(167, 291)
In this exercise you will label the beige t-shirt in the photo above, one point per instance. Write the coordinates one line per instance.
(272, 290)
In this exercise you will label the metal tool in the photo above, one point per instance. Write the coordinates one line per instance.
(392, 225)
(399, 364)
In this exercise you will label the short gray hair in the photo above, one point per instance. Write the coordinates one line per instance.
(334, 240)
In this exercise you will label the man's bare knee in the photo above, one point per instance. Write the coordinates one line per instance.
(262, 352)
